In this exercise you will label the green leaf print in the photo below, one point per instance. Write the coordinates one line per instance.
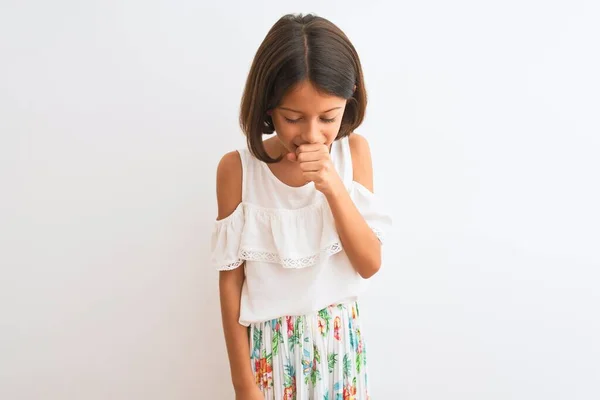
(277, 338)
(331, 361)
(269, 357)
(296, 334)
(315, 376)
(257, 339)
(293, 340)
(274, 346)
(359, 362)
(298, 326)
(347, 365)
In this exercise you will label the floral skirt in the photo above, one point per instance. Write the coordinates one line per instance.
(313, 357)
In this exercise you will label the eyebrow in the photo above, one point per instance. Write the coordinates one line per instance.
(300, 112)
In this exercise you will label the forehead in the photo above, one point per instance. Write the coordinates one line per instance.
(305, 97)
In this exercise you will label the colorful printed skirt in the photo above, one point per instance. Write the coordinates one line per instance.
(320, 356)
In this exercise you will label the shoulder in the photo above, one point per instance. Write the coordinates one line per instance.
(362, 164)
(229, 184)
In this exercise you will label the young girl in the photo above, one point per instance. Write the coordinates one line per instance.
(299, 230)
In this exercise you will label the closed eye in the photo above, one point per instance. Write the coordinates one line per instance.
(295, 121)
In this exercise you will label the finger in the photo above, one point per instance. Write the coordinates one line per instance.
(312, 176)
(311, 166)
(311, 147)
(291, 157)
(311, 156)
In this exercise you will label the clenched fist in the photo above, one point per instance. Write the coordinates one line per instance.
(315, 163)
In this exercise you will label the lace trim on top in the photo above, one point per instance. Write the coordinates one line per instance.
(232, 266)
(263, 256)
(268, 257)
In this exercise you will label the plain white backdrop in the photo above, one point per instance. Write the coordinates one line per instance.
(483, 123)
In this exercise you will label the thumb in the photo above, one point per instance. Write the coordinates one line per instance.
(291, 156)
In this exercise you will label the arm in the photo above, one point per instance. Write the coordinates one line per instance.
(358, 239)
(229, 196)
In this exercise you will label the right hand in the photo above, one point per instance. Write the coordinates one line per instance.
(251, 393)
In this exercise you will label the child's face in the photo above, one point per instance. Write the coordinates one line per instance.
(307, 116)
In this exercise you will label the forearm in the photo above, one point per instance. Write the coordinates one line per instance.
(236, 335)
(358, 239)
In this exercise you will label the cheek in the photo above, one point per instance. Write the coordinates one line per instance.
(287, 135)
(284, 131)
(331, 132)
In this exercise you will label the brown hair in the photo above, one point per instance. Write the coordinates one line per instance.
(299, 47)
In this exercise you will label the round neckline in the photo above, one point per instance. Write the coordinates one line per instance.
(289, 187)
(282, 183)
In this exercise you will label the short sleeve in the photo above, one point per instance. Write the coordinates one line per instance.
(226, 239)
(372, 209)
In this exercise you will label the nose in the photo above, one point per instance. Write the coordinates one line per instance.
(312, 134)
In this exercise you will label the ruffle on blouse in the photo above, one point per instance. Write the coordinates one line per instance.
(292, 238)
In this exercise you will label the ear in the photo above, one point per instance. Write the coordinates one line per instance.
(354, 89)
(269, 112)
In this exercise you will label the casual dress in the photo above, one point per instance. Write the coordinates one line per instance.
(298, 273)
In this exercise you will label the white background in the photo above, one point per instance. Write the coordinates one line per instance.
(483, 123)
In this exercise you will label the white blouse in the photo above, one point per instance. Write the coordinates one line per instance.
(286, 235)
